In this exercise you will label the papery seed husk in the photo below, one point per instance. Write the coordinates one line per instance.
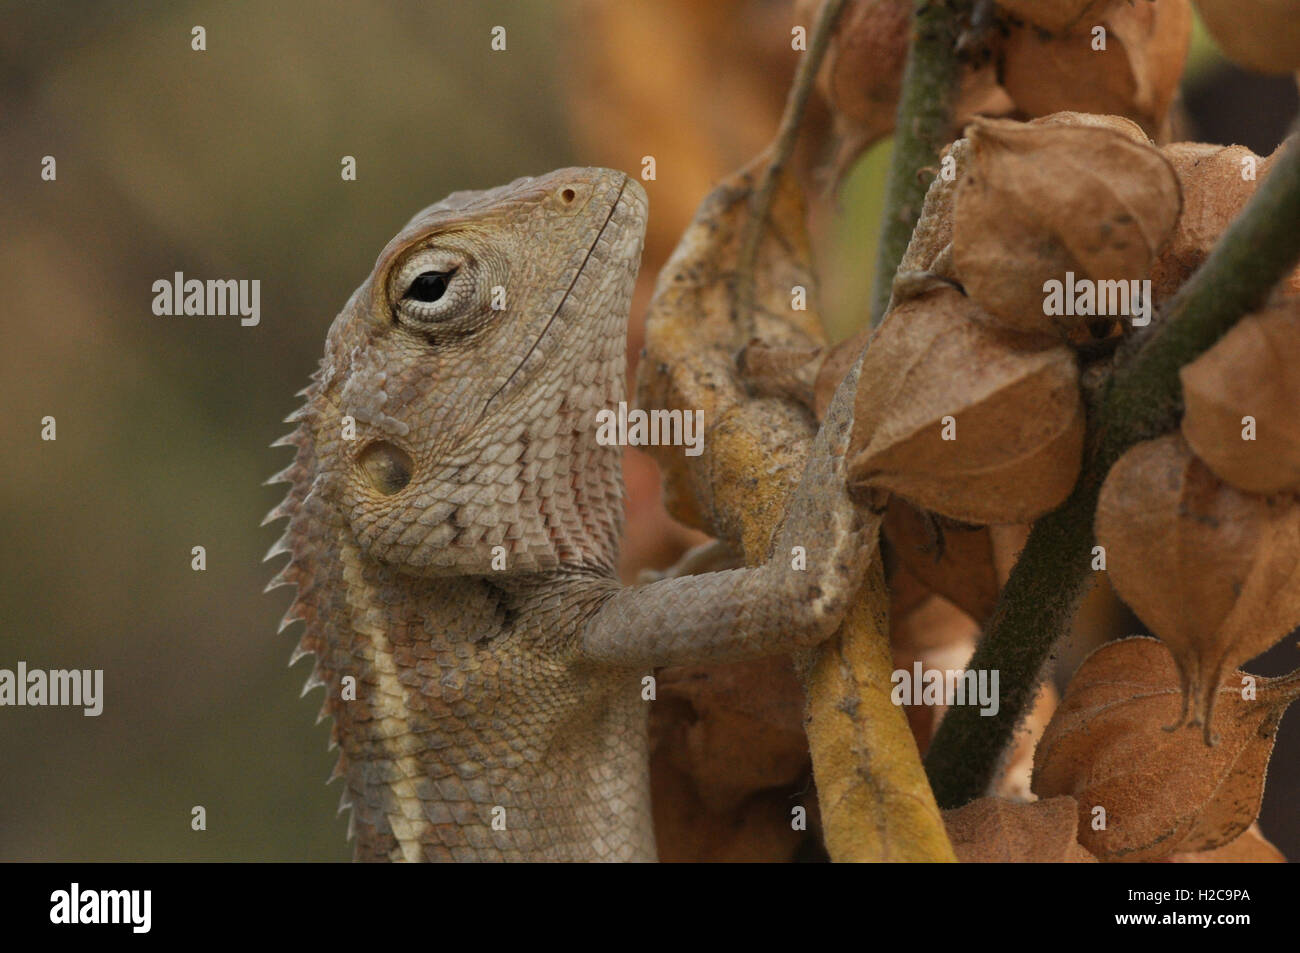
(1164, 792)
(1214, 191)
(1254, 371)
(1041, 201)
(1018, 415)
(1262, 35)
(1136, 75)
(1250, 847)
(1212, 571)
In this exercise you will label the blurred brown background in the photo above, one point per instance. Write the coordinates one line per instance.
(225, 164)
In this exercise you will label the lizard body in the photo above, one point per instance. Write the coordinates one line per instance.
(456, 554)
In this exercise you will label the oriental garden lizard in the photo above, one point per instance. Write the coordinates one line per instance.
(454, 527)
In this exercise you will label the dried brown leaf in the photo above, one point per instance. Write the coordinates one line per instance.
(1214, 572)
(992, 830)
(1016, 414)
(1163, 792)
(876, 803)
(1038, 201)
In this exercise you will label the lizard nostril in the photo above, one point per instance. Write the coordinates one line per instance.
(568, 195)
(387, 466)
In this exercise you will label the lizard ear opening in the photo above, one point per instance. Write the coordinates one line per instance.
(387, 466)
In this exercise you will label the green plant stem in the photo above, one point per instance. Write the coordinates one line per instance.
(1141, 400)
(923, 127)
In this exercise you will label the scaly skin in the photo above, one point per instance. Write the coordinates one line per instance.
(456, 556)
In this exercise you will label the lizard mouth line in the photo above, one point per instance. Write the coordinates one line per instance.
(613, 206)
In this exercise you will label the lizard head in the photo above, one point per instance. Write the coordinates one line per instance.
(451, 426)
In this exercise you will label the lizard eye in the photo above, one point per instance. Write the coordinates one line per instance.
(433, 286)
(429, 286)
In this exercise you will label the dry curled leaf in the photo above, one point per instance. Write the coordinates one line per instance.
(692, 339)
(1136, 74)
(1162, 792)
(1248, 385)
(1215, 181)
(687, 830)
(1263, 35)
(957, 418)
(1038, 201)
(753, 453)
(1214, 572)
(992, 830)
(929, 256)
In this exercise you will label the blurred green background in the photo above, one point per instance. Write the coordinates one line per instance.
(226, 163)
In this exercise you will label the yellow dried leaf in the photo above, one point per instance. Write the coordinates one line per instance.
(876, 803)
(1039, 201)
(1146, 792)
(992, 830)
(1135, 75)
(1214, 572)
(1263, 35)
(955, 417)
(1248, 385)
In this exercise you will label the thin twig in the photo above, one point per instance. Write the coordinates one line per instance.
(1142, 399)
(778, 155)
(923, 127)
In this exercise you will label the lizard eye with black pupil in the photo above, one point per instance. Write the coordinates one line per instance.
(429, 286)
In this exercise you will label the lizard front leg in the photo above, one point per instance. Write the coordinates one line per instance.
(785, 604)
